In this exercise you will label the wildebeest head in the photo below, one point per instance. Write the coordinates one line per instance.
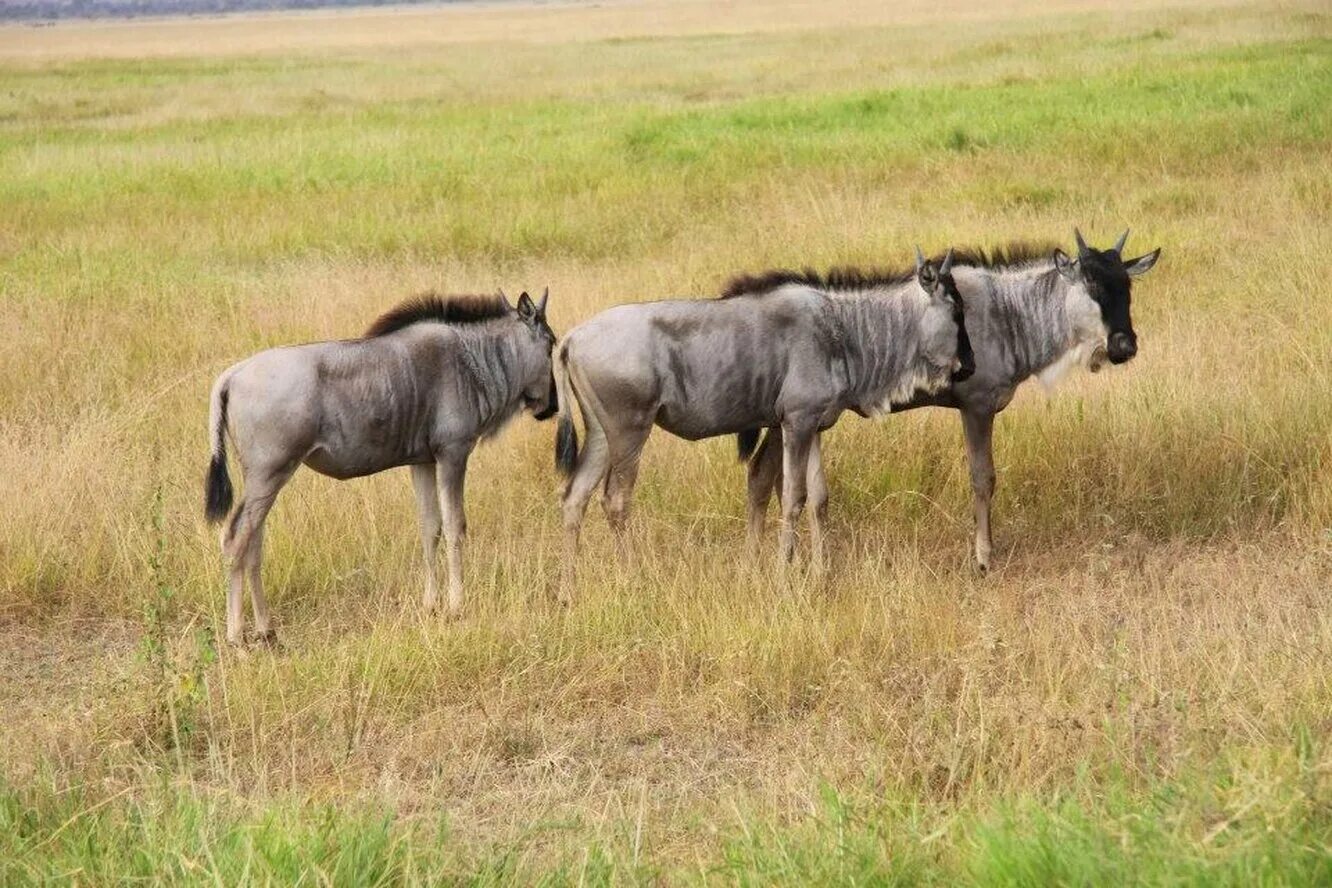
(1107, 279)
(944, 328)
(539, 382)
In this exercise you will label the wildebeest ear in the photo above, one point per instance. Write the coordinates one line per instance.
(926, 273)
(541, 306)
(525, 307)
(1065, 265)
(1142, 264)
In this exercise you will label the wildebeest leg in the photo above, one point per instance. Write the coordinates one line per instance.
(796, 443)
(625, 448)
(254, 555)
(977, 428)
(427, 512)
(765, 471)
(242, 531)
(817, 486)
(592, 464)
(450, 470)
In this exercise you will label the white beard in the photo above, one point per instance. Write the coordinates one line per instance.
(1088, 345)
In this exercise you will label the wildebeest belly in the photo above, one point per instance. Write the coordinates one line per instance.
(727, 400)
(343, 464)
(692, 425)
(362, 435)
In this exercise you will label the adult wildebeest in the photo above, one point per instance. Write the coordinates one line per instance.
(429, 379)
(771, 352)
(1030, 311)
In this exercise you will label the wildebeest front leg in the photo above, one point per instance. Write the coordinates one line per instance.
(450, 471)
(978, 428)
(796, 442)
(765, 471)
(428, 515)
(817, 486)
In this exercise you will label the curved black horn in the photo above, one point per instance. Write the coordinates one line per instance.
(920, 259)
(1083, 249)
(541, 306)
(1119, 244)
(947, 265)
(505, 299)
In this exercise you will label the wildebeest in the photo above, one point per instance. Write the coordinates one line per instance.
(429, 379)
(773, 351)
(1030, 311)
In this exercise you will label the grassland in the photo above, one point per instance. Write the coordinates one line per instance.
(1141, 690)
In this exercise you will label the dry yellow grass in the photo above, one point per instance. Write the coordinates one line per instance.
(179, 194)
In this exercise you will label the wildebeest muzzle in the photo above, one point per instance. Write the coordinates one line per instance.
(1121, 347)
(551, 406)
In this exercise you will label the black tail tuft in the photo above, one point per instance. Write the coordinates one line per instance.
(217, 490)
(746, 442)
(217, 487)
(566, 446)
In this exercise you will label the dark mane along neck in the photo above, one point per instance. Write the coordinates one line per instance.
(1004, 256)
(850, 279)
(835, 279)
(433, 307)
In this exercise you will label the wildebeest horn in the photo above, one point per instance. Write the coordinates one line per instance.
(505, 299)
(947, 263)
(541, 306)
(920, 259)
(1083, 249)
(1119, 244)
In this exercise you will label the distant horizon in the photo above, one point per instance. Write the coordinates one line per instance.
(39, 11)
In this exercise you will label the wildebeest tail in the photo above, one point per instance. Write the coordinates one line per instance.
(566, 435)
(217, 488)
(746, 443)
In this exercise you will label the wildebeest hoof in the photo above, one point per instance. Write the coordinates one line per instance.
(268, 639)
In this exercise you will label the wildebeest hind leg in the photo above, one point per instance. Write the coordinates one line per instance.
(244, 530)
(592, 465)
(254, 556)
(625, 449)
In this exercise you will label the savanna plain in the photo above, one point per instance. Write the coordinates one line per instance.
(1139, 691)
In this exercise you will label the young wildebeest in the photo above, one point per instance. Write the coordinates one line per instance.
(1031, 311)
(428, 380)
(770, 352)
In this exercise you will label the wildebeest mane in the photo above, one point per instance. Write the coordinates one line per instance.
(462, 309)
(849, 278)
(1009, 255)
